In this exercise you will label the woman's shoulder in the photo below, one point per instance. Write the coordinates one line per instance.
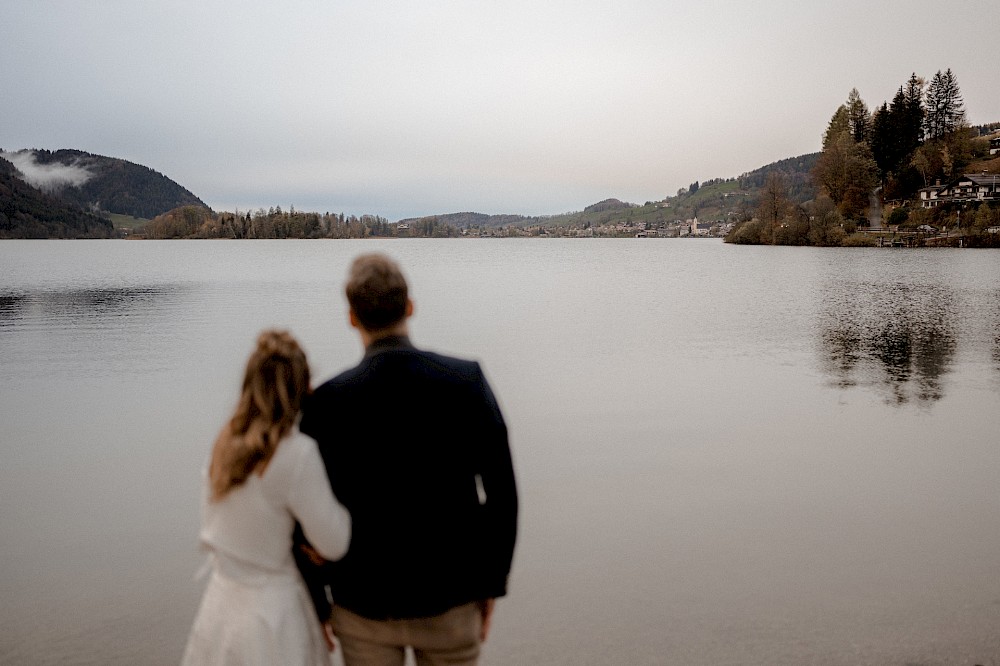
(294, 448)
(291, 453)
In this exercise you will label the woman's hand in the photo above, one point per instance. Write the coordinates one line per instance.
(486, 608)
(313, 554)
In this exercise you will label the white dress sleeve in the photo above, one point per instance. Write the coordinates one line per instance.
(325, 521)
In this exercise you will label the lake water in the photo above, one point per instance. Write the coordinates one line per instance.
(726, 455)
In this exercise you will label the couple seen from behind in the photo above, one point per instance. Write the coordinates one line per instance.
(380, 508)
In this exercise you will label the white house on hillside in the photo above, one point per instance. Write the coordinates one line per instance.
(970, 187)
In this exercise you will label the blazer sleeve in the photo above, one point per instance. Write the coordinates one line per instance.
(501, 503)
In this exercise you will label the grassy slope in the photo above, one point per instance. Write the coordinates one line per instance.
(990, 165)
(121, 221)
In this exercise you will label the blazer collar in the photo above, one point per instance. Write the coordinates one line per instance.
(389, 343)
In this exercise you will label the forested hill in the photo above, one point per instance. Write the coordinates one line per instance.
(724, 199)
(27, 212)
(463, 220)
(101, 184)
(796, 171)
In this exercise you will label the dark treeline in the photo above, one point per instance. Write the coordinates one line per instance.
(26, 212)
(198, 222)
(887, 155)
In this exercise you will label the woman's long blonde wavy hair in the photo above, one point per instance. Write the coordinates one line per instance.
(276, 381)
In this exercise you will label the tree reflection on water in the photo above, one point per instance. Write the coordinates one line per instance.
(897, 339)
(66, 330)
(92, 304)
(10, 308)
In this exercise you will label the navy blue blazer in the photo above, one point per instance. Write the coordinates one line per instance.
(416, 448)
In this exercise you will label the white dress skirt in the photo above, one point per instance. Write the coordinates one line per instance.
(256, 609)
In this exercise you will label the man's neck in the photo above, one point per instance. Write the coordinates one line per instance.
(368, 338)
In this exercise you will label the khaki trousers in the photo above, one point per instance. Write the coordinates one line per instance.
(450, 638)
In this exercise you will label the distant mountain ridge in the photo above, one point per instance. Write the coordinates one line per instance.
(100, 184)
(717, 200)
(461, 220)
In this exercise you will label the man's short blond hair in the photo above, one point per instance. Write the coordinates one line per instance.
(377, 292)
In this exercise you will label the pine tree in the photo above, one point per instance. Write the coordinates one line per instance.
(955, 107)
(897, 128)
(858, 116)
(882, 140)
(912, 120)
(945, 111)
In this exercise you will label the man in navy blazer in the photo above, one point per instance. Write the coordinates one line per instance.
(416, 448)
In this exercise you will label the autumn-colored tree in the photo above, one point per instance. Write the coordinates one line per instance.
(826, 225)
(847, 173)
(839, 124)
(774, 205)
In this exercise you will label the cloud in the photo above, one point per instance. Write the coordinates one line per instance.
(47, 177)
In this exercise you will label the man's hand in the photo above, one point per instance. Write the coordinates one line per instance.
(486, 608)
(328, 636)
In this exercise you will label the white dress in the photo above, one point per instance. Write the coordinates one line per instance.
(256, 609)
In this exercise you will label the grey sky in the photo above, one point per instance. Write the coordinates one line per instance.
(413, 108)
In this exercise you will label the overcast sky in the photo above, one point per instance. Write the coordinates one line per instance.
(413, 108)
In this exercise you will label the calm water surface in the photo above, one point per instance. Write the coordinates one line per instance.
(727, 455)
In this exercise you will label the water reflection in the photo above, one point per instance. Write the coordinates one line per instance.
(10, 308)
(110, 329)
(898, 339)
(92, 303)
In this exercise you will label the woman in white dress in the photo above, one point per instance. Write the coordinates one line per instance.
(263, 477)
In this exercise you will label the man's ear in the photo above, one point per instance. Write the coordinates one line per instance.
(354, 318)
(409, 308)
